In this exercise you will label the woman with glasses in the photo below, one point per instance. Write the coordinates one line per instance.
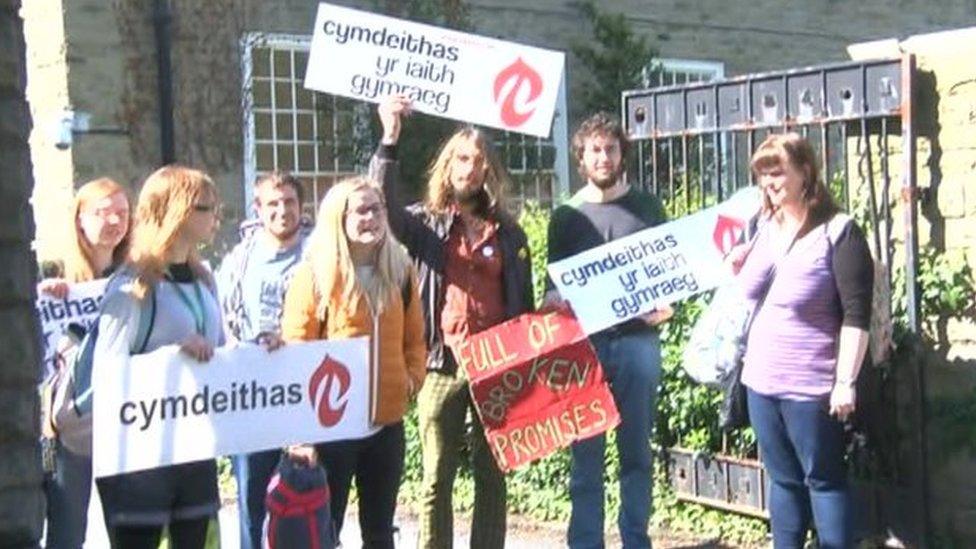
(98, 243)
(175, 215)
(358, 281)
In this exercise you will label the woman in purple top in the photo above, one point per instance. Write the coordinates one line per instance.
(812, 275)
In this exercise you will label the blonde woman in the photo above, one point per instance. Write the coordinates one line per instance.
(176, 213)
(358, 281)
(99, 240)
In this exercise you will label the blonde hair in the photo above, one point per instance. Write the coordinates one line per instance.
(78, 255)
(165, 203)
(440, 193)
(332, 266)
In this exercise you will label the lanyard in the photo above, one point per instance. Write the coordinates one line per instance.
(197, 310)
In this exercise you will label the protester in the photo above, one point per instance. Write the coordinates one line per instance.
(605, 209)
(176, 213)
(358, 281)
(98, 245)
(252, 280)
(474, 273)
(807, 341)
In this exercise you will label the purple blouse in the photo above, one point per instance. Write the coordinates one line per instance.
(818, 286)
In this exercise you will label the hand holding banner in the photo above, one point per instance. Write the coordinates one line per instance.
(537, 386)
(80, 307)
(446, 73)
(164, 408)
(634, 275)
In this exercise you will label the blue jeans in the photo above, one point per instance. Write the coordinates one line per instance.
(803, 450)
(68, 490)
(632, 364)
(253, 471)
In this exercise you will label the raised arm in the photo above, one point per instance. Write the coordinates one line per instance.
(385, 169)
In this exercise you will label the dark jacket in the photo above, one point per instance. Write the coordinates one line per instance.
(424, 233)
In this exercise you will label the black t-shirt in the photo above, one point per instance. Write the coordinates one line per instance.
(577, 226)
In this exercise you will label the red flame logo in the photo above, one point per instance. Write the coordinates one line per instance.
(516, 108)
(727, 233)
(329, 372)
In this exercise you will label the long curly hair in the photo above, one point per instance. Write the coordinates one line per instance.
(165, 203)
(780, 148)
(78, 253)
(440, 193)
(332, 266)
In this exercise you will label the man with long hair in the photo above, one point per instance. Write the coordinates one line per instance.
(605, 209)
(474, 269)
(252, 281)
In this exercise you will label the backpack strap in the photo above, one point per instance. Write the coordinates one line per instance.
(835, 227)
(294, 504)
(146, 323)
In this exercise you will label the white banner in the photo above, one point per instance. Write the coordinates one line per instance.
(164, 408)
(81, 307)
(633, 275)
(446, 73)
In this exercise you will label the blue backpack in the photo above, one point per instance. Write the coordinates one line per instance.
(71, 387)
(299, 508)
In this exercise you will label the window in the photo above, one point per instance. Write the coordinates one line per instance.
(668, 72)
(530, 163)
(314, 135)
(288, 127)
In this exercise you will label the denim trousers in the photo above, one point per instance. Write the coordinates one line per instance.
(68, 490)
(253, 472)
(632, 365)
(802, 448)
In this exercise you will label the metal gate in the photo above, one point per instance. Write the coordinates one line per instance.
(694, 143)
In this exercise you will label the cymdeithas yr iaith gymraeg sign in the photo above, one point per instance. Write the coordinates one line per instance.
(447, 73)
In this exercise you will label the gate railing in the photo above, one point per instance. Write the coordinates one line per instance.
(694, 143)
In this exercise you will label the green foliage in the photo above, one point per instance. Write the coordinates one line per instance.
(534, 220)
(946, 290)
(614, 57)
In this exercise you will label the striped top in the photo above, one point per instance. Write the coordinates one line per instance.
(819, 285)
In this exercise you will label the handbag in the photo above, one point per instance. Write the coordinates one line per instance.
(715, 350)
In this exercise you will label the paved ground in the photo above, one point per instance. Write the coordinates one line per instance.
(522, 534)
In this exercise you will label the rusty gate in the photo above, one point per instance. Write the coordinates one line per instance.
(694, 142)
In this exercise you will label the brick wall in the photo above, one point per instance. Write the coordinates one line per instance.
(21, 500)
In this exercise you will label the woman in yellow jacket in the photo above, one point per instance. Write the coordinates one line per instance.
(357, 280)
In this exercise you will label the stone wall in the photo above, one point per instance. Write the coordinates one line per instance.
(947, 169)
(111, 60)
(945, 115)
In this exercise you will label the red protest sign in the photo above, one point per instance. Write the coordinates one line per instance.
(537, 385)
